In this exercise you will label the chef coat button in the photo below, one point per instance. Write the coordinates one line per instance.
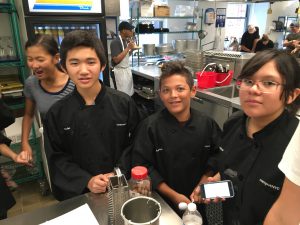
(256, 145)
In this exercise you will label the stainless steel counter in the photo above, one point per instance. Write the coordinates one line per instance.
(150, 72)
(98, 204)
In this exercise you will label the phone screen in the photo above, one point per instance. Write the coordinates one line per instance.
(219, 189)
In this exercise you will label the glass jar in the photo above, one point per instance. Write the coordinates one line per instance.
(139, 183)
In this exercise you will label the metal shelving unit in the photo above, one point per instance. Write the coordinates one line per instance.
(16, 65)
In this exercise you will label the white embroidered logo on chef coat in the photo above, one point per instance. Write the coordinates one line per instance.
(159, 149)
(221, 149)
(269, 185)
(121, 124)
(67, 128)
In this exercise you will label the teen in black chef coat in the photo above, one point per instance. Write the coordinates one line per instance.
(7, 199)
(177, 142)
(90, 129)
(254, 140)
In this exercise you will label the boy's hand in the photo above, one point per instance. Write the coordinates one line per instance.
(98, 184)
(180, 198)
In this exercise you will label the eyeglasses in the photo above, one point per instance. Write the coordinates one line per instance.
(265, 86)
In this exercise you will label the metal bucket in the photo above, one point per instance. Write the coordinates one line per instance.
(141, 210)
(149, 49)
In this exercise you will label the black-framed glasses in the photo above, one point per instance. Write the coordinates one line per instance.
(265, 86)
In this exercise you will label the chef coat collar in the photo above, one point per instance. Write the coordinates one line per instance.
(172, 119)
(267, 129)
(98, 98)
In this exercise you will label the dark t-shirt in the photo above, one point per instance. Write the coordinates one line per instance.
(260, 46)
(116, 48)
(291, 37)
(248, 39)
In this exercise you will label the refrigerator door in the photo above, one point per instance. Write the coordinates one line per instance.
(60, 26)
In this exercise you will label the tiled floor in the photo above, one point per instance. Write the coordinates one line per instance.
(28, 197)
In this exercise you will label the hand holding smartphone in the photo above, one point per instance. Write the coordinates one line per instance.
(219, 189)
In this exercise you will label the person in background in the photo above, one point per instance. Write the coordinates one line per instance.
(7, 199)
(121, 48)
(285, 210)
(90, 130)
(48, 84)
(176, 143)
(254, 140)
(264, 43)
(249, 39)
(293, 38)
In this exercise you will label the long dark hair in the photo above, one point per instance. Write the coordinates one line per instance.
(286, 65)
(48, 43)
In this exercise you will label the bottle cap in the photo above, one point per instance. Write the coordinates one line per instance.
(182, 205)
(139, 172)
(192, 207)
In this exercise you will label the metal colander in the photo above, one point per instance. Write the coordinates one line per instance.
(118, 193)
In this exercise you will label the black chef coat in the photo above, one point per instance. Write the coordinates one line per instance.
(176, 155)
(85, 141)
(6, 198)
(248, 39)
(252, 165)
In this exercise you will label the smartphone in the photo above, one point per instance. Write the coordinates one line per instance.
(222, 189)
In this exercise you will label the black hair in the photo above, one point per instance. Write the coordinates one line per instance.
(78, 38)
(47, 42)
(286, 65)
(176, 67)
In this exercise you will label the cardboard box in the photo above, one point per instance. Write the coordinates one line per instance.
(161, 10)
(146, 9)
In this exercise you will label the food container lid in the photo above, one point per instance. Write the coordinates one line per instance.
(139, 172)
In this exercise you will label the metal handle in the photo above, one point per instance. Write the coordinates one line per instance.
(199, 100)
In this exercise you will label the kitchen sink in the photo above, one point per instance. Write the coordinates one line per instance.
(229, 91)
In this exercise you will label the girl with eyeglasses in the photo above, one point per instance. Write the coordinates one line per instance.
(255, 139)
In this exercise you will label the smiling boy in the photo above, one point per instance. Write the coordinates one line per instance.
(177, 142)
(89, 130)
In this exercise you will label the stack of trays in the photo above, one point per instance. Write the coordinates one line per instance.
(195, 60)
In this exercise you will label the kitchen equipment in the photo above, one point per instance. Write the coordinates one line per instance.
(149, 49)
(191, 44)
(194, 59)
(144, 28)
(164, 48)
(235, 60)
(206, 79)
(180, 45)
(141, 210)
(118, 193)
(202, 34)
(190, 26)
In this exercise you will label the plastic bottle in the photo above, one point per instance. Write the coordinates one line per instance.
(139, 182)
(191, 216)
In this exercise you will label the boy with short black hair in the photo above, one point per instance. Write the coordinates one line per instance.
(176, 143)
(89, 130)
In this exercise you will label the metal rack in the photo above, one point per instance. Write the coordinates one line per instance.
(17, 65)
